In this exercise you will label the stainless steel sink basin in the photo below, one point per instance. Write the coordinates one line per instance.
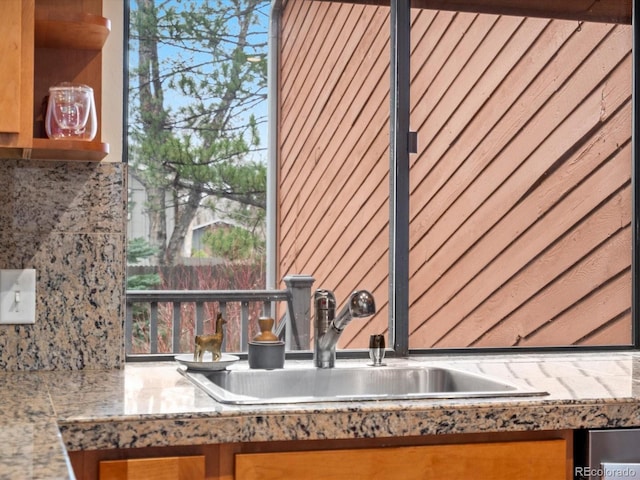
(351, 383)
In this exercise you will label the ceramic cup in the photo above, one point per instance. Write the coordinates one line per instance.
(266, 355)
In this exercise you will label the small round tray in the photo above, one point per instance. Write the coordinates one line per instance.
(208, 365)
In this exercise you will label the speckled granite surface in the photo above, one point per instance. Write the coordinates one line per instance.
(66, 220)
(153, 405)
(31, 446)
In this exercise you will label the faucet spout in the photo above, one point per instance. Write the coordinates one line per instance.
(329, 327)
(360, 304)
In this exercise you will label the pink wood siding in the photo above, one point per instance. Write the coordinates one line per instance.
(334, 143)
(520, 193)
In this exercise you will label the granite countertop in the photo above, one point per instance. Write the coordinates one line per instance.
(47, 413)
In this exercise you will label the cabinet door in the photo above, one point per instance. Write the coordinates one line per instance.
(10, 74)
(16, 74)
(544, 459)
(167, 468)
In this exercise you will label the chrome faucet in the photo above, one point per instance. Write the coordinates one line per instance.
(328, 327)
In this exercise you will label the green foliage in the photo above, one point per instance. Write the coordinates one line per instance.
(148, 281)
(137, 250)
(234, 243)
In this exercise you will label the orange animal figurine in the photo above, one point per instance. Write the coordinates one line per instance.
(210, 343)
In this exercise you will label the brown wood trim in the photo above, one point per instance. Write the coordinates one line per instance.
(607, 11)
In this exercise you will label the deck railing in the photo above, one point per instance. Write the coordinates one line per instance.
(151, 313)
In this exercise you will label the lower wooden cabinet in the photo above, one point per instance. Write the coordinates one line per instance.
(491, 456)
(490, 461)
(163, 468)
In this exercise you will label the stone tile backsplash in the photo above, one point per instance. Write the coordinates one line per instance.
(68, 221)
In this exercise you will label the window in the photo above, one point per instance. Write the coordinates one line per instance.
(509, 227)
(521, 193)
(333, 159)
(197, 158)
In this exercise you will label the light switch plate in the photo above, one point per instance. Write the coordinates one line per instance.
(17, 296)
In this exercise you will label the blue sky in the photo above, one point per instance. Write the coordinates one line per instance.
(173, 98)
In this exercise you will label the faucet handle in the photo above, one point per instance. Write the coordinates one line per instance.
(324, 300)
(325, 310)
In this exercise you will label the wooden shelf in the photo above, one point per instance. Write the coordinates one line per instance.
(48, 42)
(82, 31)
(47, 149)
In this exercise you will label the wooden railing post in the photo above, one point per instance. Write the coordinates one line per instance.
(299, 287)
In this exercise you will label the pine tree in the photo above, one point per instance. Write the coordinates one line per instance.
(197, 74)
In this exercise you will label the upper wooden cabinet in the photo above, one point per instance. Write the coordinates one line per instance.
(46, 42)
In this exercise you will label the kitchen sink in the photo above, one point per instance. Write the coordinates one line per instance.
(361, 383)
